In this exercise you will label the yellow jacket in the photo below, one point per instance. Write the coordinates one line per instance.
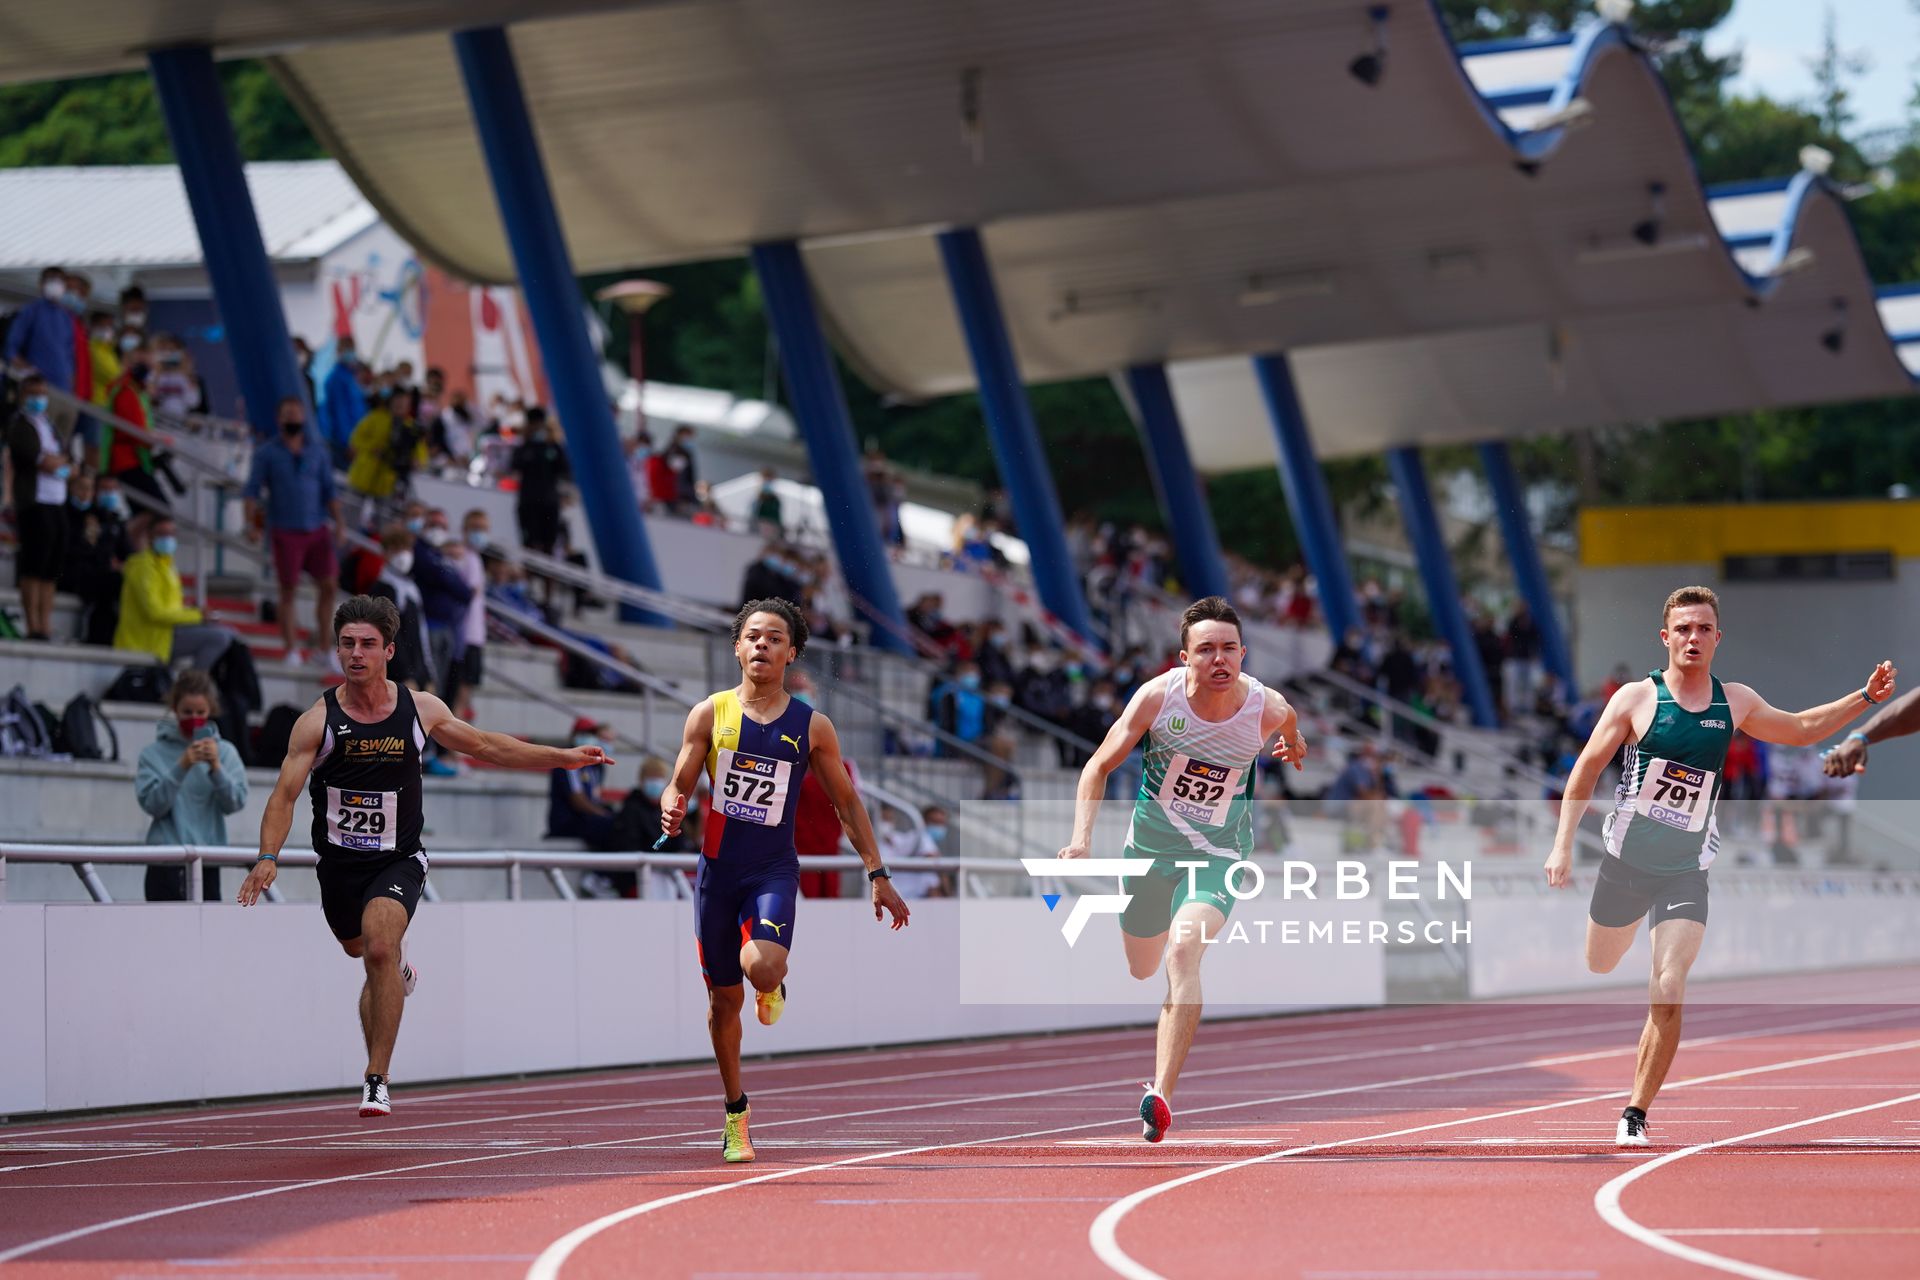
(372, 470)
(152, 604)
(106, 368)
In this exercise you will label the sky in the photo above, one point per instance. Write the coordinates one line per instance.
(1777, 37)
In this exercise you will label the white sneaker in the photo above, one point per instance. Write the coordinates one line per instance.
(373, 1098)
(409, 977)
(1631, 1132)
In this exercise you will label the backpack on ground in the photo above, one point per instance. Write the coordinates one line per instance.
(149, 683)
(276, 734)
(79, 730)
(22, 730)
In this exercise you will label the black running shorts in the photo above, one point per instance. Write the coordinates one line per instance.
(1625, 894)
(348, 885)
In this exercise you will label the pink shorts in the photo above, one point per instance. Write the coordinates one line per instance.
(309, 550)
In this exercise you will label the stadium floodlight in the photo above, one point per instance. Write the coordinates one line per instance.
(1617, 12)
(1796, 260)
(1370, 66)
(1265, 289)
(1574, 115)
(1816, 160)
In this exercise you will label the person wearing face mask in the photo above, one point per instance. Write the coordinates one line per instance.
(445, 596)
(539, 466)
(575, 809)
(188, 781)
(125, 456)
(409, 665)
(468, 556)
(290, 498)
(41, 335)
(104, 352)
(342, 404)
(96, 550)
(39, 459)
(905, 841)
(154, 615)
(639, 821)
(372, 473)
(959, 707)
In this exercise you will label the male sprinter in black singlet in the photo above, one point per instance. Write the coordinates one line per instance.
(359, 748)
(1661, 836)
(756, 744)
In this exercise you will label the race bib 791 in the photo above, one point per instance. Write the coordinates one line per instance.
(1675, 795)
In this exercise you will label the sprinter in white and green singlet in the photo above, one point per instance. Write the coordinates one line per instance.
(1206, 724)
(1662, 833)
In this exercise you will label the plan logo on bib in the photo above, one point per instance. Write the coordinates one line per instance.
(1088, 905)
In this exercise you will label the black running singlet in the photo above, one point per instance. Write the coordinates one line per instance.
(365, 784)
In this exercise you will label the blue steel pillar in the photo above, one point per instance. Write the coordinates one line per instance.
(1307, 498)
(1016, 440)
(553, 302)
(1436, 571)
(1510, 504)
(247, 295)
(1181, 497)
(820, 403)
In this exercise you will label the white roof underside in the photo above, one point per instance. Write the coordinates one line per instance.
(1181, 180)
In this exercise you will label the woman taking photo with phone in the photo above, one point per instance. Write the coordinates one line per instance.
(189, 780)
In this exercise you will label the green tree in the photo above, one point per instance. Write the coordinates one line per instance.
(117, 120)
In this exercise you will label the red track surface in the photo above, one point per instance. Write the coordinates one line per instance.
(1407, 1144)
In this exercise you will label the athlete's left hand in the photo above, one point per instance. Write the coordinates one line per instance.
(581, 757)
(1292, 746)
(1880, 683)
(887, 898)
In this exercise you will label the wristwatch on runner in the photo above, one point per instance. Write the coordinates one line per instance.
(879, 873)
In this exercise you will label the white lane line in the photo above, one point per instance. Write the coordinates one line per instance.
(706, 1099)
(34, 1246)
(555, 1255)
(1606, 1201)
(1378, 1025)
(1789, 1231)
(1103, 1235)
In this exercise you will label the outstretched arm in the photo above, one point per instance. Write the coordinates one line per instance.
(500, 749)
(1115, 747)
(1615, 724)
(1895, 720)
(302, 745)
(1804, 728)
(823, 757)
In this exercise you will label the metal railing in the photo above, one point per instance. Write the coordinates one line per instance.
(514, 862)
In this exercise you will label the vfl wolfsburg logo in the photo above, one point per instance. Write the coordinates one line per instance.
(1177, 725)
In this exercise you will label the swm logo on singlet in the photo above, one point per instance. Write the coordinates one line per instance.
(360, 749)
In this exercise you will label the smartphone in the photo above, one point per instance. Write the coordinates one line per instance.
(204, 731)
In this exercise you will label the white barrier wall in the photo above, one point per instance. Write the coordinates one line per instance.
(142, 1003)
(1534, 944)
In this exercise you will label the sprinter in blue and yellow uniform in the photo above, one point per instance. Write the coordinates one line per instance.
(1664, 830)
(755, 743)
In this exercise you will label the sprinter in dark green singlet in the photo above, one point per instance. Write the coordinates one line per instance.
(1662, 836)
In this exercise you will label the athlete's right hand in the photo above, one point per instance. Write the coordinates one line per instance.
(1559, 867)
(1847, 759)
(672, 814)
(1076, 851)
(263, 875)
